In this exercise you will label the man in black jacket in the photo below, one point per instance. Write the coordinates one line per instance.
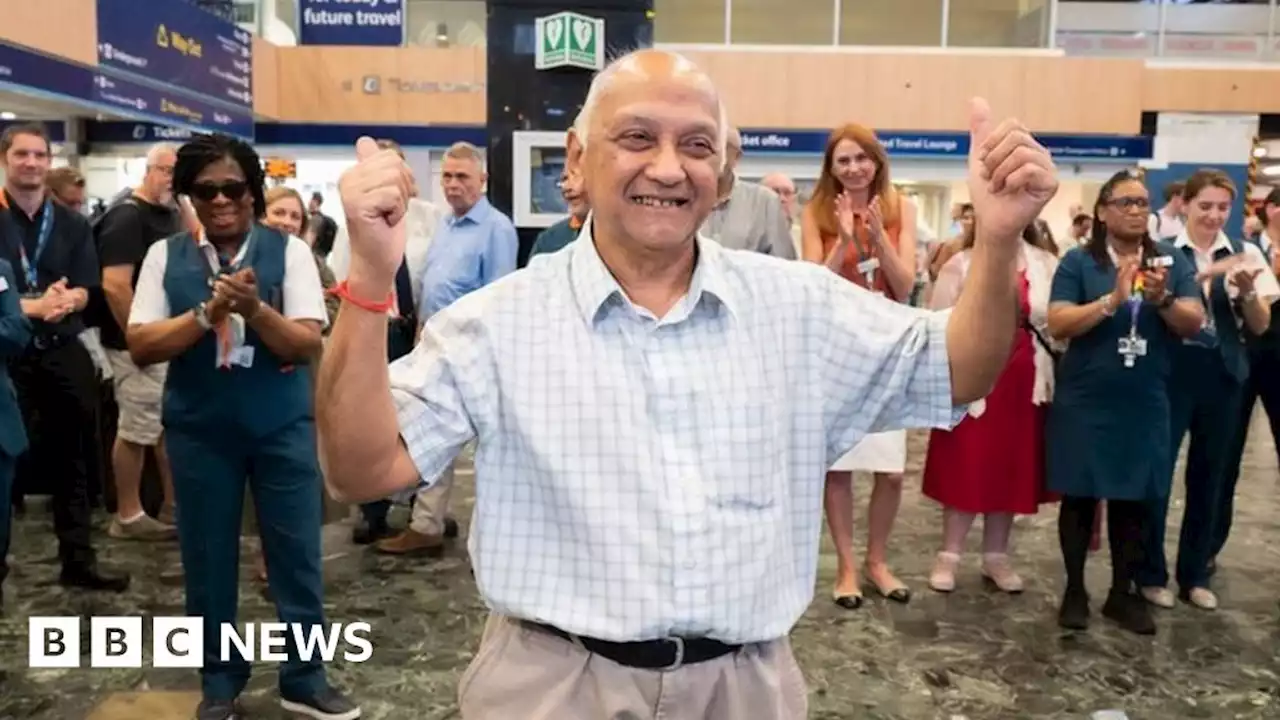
(51, 250)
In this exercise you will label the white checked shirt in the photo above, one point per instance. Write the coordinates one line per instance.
(640, 478)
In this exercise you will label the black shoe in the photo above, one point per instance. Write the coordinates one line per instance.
(368, 533)
(218, 710)
(1130, 611)
(450, 527)
(329, 704)
(88, 577)
(1074, 612)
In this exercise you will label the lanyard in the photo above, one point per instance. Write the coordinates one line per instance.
(42, 241)
(232, 265)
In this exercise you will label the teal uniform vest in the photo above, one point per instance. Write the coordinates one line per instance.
(1227, 340)
(201, 396)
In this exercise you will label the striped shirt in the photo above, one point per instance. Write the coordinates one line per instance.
(641, 477)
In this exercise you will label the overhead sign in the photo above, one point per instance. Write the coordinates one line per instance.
(569, 40)
(127, 132)
(351, 22)
(299, 134)
(29, 73)
(177, 45)
(1076, 148)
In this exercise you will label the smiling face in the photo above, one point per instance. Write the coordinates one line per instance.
(222, 199)
(853, 166)
(1126, 210)
(1207, 212)
(652, 159)
(26, 162)
(285, 215)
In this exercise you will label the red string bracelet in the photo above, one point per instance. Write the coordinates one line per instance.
(343, 291)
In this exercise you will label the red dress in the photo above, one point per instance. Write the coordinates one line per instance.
(995, 463)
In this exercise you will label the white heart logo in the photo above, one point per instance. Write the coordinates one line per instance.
(582, 31)
(553, 30)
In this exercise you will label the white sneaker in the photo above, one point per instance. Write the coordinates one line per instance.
(1203, 598)
(943, 577)
(1159, 596)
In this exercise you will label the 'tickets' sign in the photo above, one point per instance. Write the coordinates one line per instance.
(351, 22)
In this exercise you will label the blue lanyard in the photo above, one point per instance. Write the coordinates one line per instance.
(42, 240)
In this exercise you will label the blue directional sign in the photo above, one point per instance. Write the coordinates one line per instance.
(38, 75)
(1078, 148)
(176, 45)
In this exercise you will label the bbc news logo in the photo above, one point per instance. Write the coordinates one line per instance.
(179, 642)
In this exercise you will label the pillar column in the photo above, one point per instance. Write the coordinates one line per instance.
(521, 97)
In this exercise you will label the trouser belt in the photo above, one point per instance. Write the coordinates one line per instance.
(665, 654)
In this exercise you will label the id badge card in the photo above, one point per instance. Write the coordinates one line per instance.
(868, 269)
(1131, 348)
(230, 350)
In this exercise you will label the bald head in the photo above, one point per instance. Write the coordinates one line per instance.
(785, 189)
(649, 68)
(157, 184)
(650, 147)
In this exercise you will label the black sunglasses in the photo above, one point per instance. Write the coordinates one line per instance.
(232, 190)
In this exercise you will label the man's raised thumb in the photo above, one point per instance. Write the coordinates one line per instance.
(980, 124)
(366, 147)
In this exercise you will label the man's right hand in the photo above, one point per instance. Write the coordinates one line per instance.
(218, 308)
(55, 304)
(375, 197)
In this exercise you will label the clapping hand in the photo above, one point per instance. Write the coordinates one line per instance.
(1155, 284)
(1243, 280)
(875, 220)
(239, 291)
(1126, 271)
(57, 302)
(846, 217)
(1011, 176)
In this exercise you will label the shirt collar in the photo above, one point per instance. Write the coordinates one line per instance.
(595, 285)
(1220, 243)
(477, 214)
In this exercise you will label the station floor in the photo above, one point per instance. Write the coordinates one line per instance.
(973, 655)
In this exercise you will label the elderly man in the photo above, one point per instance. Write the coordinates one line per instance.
(747, 216)
(654, 414)
(785, 189)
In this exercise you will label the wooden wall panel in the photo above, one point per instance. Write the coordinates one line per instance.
(388, 86)
(266, 79)
(1082, 95)
(1181, 89)
(62, 28)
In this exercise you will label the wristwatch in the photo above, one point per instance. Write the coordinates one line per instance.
(202, 316)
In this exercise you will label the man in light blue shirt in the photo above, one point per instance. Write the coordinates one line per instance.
(473, 245)
(653, 413)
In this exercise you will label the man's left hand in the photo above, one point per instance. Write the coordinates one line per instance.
(241, 290)
(1011, 176)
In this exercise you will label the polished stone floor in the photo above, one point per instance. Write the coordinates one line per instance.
(973, 655)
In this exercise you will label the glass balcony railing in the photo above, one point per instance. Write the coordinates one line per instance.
(1246, 30)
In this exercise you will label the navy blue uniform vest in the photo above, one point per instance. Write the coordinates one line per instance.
(1229, 341)
(199, 395)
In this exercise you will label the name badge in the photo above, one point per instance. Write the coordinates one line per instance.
(868, 266)
(1160, 261)
(1131, 348)
(241, 357)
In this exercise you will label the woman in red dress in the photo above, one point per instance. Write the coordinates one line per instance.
(992, 463)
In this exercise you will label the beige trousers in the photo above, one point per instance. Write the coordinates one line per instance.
(431, 504)
(525, 673)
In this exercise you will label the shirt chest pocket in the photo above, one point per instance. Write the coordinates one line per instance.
(739, 435)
